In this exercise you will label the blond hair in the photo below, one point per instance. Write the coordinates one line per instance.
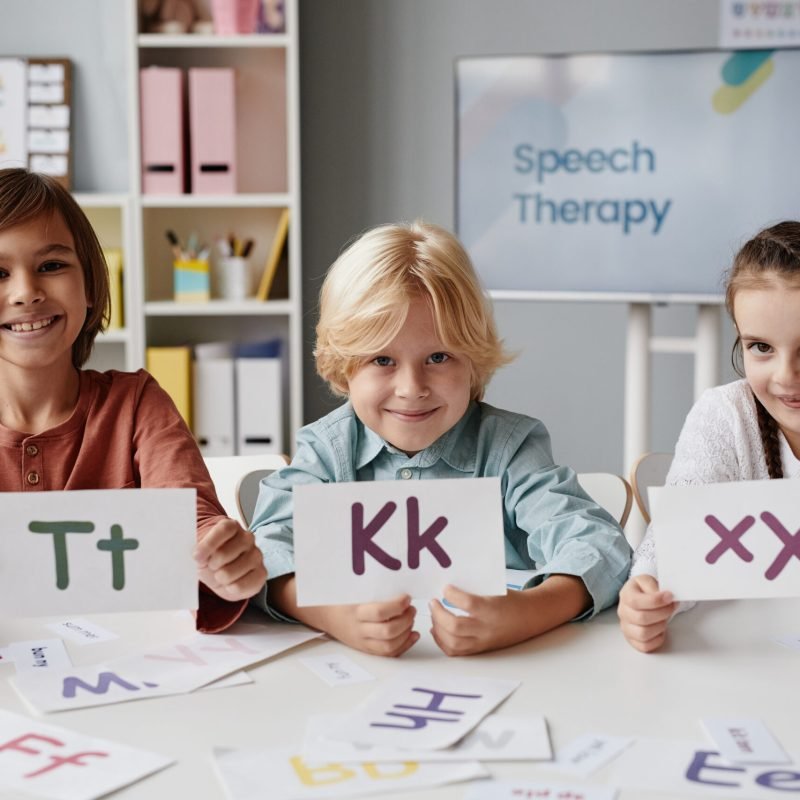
(24, 196)
(772, 253)
(367, 292)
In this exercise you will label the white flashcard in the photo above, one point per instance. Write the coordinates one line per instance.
(53, 762)
(337, 669)
(744, 741)
(46, 92)
(536, 790)
(496, 738)
(422, 712)
(728, 540)
(82, 631)
(677, 768)
(588, 753)
(280, 774)
(48, 116)
(98, 550)
(167, 669)
(46, 73)
(41, 140)
(790, 641)
(48, 654)
(372, 540)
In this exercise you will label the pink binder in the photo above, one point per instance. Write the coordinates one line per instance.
(161, 97)
(212, 121)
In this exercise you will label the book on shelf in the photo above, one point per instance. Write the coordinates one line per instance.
(113, 256)
(172, 368)
(275, 278)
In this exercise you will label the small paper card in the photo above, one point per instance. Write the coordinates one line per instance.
(678, 768)
(497, 738)
(98, 550)
(38, 655)
(422, 712)
(167, 669)
(588, 753)
(536, 790)
(47, 761)
(745, 741)
(728, 540)
(371, 540)
(790, 641)
(82, 631)
(280, 774)
(336, 669)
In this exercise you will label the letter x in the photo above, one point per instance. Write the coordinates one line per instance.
(791, 545)
(730, 539)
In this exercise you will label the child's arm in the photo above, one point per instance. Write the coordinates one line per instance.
(644, 613)
(383, 629)
(502, 621)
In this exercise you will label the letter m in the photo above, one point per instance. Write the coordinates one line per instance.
(104, 681)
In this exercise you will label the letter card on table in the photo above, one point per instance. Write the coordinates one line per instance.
(98, 550)
(372, 540)
(728, 540)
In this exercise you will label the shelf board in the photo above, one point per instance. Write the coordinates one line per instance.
(216, 308)
(215, 201)
(257, 40)
(100, 200)
(114, 336)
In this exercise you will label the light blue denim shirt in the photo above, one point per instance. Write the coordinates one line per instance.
(550, 524)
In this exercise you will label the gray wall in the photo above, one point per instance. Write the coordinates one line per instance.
(378, 133)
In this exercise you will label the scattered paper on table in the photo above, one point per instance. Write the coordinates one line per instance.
(54, 762)
(422, 711)
(280, 774)
(744, 741)
(536, 790)
(498, 737)
(588, 753)
(83, 631)
(792, 641)
(41, 654)
(337, 669)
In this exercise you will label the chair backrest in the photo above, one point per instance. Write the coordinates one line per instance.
(610, 491)
(229, 472)
(650, 470)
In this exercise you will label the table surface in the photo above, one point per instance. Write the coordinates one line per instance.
(720, 660)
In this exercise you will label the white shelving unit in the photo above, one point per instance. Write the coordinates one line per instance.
(268, 181)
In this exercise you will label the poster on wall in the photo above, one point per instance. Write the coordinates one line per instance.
(625, 176)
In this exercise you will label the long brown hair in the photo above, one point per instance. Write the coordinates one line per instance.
(773, 252)
(24, 196)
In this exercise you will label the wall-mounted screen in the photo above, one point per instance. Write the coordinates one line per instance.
(623, 175)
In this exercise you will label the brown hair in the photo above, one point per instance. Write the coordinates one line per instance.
(771, 253)
(366, 295)
(24, 196)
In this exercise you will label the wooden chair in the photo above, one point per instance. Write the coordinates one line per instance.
(610, 491)
(236, 480)
(650, 470)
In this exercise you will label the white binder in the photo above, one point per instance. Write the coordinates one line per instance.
(214, 409)
(259, 406)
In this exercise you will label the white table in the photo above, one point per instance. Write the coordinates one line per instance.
(584, 678)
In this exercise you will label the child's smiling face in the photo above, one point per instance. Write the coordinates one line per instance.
(43, 299)
(768, 321)
(415, 389)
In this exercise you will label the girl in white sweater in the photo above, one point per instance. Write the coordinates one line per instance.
(746, 430)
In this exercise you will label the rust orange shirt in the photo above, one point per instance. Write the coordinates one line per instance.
(125, 432)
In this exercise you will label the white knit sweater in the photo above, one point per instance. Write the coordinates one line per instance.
(719, 442)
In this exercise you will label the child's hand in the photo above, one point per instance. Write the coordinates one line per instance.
(229, 562)
(381, 629)
(644, 613)
(493, 622)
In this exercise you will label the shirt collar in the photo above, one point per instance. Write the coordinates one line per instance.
(789, 461)
(458, 446)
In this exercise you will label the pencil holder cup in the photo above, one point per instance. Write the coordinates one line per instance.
(233, 278)
(234, 16)
(191, 280)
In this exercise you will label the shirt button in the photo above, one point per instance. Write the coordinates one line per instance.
(32, 450)
(33, 478)
(406, 473)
